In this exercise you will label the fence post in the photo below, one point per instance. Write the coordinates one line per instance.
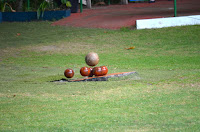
(81, 6)
(175, 9)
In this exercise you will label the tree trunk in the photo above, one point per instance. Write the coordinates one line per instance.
(19, 4)
(124, 2)
(89, 4)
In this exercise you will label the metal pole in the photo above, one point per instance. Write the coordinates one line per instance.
(28, 5)
(175, 9)
(108, 2)
(81, 6)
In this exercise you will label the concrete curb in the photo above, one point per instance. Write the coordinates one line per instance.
(168, 22)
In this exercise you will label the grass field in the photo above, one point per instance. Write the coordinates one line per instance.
(164, 96)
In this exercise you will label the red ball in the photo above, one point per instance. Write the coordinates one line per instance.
(104, 70)
(85, 71)
(97, 71)
(91, 72)
(69, 73)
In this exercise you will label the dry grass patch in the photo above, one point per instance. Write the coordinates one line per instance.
(64, 48)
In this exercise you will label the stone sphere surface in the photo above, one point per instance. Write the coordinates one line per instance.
(91, 72)
(92, 59)
(97, 71)
(69, 73)
(104, 70)
(85, 71)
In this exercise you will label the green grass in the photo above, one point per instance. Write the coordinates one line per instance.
(163, 96)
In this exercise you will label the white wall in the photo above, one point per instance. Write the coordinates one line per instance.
(84, 2)
(168, 22)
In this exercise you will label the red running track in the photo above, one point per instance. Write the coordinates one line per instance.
(118, 16)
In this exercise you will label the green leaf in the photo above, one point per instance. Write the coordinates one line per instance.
(68, 4)
(63, 1)
(41, 9)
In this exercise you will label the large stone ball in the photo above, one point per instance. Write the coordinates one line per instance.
(92, 59)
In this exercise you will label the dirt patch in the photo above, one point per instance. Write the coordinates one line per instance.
(4, 53)
(66, 48)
